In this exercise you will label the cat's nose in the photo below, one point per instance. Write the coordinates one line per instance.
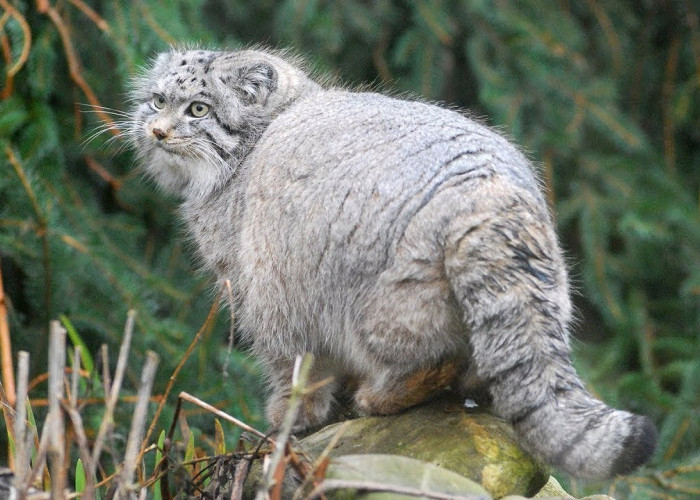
(160, 135)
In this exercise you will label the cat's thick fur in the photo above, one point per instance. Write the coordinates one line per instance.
(404, 245)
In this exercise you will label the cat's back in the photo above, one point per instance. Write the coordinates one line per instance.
(369, 132)
(336, 179)
(387, 154)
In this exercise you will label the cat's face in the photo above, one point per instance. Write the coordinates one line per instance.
(196, 115)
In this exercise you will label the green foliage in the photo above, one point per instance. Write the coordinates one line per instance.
(605, 94)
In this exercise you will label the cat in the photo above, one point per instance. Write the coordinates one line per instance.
(405, 245)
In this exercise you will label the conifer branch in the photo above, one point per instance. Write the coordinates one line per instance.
(42, 223)
(667, 109)
(610, 34)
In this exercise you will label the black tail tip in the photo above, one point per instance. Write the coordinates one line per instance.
(639, 446)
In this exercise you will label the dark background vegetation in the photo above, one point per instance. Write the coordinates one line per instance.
(603, 94)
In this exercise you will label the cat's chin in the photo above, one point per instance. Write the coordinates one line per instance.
(186, 177)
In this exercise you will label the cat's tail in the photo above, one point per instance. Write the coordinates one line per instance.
(506, 270)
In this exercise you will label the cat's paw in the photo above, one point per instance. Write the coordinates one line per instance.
(313, 411)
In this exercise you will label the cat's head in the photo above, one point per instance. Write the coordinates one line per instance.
(198, 113)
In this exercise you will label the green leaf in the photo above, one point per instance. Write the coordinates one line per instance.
(32, 426)
(85, 357)
(158, 458)
(189, 451)
(219, 438)
(80, 479)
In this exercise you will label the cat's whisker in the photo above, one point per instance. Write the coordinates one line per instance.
(91, 108)
(116, 129)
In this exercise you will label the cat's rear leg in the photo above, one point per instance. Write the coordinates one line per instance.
(410, 344)
(392, 389)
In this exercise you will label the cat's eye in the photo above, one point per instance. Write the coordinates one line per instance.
(198, 109)
(158, 101)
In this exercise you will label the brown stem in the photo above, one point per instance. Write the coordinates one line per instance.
(94, 16)
(8, 379)
(7, 55)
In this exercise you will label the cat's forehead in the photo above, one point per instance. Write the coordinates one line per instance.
(184, 72)
(191, 59)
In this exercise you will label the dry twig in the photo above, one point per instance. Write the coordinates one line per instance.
(225, 416)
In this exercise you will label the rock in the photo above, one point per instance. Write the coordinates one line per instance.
(470, 442)
(552, 490)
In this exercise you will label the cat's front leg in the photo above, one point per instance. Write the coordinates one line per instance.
(316, 405)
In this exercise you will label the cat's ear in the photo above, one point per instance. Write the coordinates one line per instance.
(257, 82)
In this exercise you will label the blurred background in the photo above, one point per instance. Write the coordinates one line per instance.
(604, 95)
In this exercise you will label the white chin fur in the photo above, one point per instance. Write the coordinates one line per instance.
(190, 178)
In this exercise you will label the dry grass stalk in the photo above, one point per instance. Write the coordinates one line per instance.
(23, 438)
(137, 425)
(56, 439)
(73, 413)
(107, 422)
(106, 378)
